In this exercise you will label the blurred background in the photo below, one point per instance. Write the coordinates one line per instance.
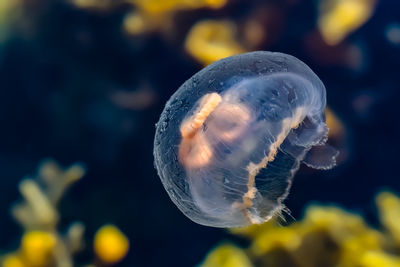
(83, 82)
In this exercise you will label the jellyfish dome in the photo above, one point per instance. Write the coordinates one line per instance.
(231, 138)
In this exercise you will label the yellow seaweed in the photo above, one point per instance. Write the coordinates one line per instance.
(151, 15)
(163, 6)
(376, 258)
(339, 18)
(226, 255)
(41, 244)
(13, 261)
(326, 236)
(389, 213)
(211, 40)
(9, 12)
(37, 246)
(110, 244)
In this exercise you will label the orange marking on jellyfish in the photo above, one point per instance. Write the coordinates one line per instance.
(235, 114)
(195, 152)
(208, 103)
(194, 149)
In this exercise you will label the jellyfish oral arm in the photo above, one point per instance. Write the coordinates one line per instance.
(247, 200)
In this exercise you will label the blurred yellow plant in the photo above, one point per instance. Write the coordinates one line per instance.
(338, 18)
(376, 258)
(156, 14)
(336, 127)
(149, 15)
(9, 10)
(326, 236)
(37, 246)
(41, 244)
(211, 40)
(227, 255)
(110, 244)
(163, 6)
(92, 4)
(389, 213)
(13, 261)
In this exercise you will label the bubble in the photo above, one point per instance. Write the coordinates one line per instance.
(226, 151)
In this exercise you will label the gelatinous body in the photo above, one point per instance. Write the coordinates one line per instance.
(232, 137)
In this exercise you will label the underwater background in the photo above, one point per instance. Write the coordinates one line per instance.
(83, 82)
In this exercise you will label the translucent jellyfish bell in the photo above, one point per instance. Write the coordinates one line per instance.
(230, 140)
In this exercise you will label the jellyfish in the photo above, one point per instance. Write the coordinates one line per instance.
(231, 138)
